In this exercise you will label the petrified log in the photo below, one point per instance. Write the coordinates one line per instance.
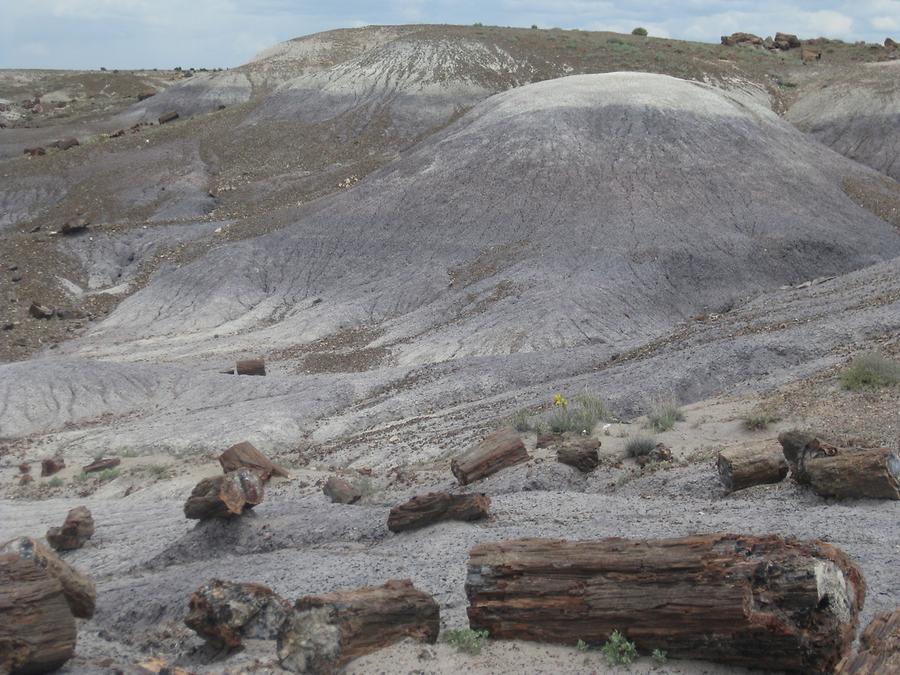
(170, 116)
(583, 459)
(225, 613)
(325, 632)
(340, 491)
(40, 311)
(147, 93)
(77, 588)
(548, 438)
(872, 473)
(798, 446)
(501, 449)
(879, 648)
(251, 367)
(37, 629)
(761, 602)
(51, 466)
(741, 468)
(102, 464)
(225, 496)
(246, 456)
(77, 529)
(424, 510)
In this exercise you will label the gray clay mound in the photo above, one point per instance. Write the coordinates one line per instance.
(595, 209)
(856, 114)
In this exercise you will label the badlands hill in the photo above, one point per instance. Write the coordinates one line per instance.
(423, 230)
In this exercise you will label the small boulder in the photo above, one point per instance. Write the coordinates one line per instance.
(340, 491)
(225, 496)
(41, 311)
(75, 531)
(75, 226)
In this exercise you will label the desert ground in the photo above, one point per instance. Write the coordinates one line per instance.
(430, 233)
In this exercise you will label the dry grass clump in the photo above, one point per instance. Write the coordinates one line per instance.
(640, 446)
(664, 414)
(870, 371)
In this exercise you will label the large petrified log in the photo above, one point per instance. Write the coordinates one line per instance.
(501, 449)
(102, 464)
(77, 529)
(797, 446)
(340, 491)
(741, 468)
(325, 632)
(762, 602)
(582, 458)
(246, 456)
(37, 629)
(872, 473)
(225, 613)
(879, 648)
(78, 589)
(424, 510)
(225, 496)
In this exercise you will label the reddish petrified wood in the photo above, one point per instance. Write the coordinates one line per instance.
(424, 510)
(37, 629)
(51, 466)
(251, 367)
(582, 458)
(246, 456)
(225, 613)
(77, 529)
(501, 449)
(325, 632)
(879, 648)
(761, 602)
(340, 491)
(78, 589)
(102, 464)
(797, 446)
(548, 438)
(225, 496)
(167, 117)
(740, 468)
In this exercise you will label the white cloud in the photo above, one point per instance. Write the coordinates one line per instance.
(885, 23)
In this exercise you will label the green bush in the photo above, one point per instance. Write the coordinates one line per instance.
(619, 650)
(107, 475)
(466, 640)
(520, 421)
(664, 414)
(55, 482)
(639, 31)
(639, 446)
(534, 26)
(759, 420)
(869, 371)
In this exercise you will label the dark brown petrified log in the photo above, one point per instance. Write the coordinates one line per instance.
(501, 449)
(78, 589)
(225, 496)
(424, 510)
(741, 468)
(582, 458)
(37, 629)
(246, 456)
(325, 632)
(851, 473)
(879, 648)
(251, 367)
(762, 602)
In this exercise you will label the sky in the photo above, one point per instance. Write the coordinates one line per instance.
(88, 34)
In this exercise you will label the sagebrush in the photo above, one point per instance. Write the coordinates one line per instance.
(664, 414)
(640, 446)
(869, 371)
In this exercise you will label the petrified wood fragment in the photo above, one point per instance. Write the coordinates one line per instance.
(762, 602)
(501, 449)
(740, 468)
(77, 529)
(325, 632)
(246, 456)
(424, 510)
(340, 491)
(871, 473)
(879, 648)
(225, 496)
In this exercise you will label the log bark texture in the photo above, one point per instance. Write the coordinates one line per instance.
(78, 589)
(340, 491)
(740, 468)
(423, 510)
(879, 648)
(225, 496)
(872, 473)
(225, 613)
(501, 449)
(37, 629)
(77, 529)
(762, 602)
(251, 367)
(797, 446)
(246, 456)
(583, 459)
(326, 632)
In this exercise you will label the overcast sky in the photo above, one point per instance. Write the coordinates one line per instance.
(224, 33)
